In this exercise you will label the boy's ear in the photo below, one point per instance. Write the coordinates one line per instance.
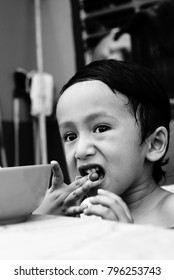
(157, 144)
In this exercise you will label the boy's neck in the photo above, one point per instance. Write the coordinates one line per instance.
(135, 196)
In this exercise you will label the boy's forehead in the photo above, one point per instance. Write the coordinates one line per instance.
(85, 98)
(93, 91)
(91, 86)
(81, 94)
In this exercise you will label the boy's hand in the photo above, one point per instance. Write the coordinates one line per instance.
(108, 206)
(60, 195)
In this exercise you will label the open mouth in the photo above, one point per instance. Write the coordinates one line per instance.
(94, 172)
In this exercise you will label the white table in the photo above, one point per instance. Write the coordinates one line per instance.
(64, 238)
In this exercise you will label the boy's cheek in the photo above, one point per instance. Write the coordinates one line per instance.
(72, 173)
(72, 170)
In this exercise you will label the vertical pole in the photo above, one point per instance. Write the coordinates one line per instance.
(2, 147)
(39, 57)
(16, 112)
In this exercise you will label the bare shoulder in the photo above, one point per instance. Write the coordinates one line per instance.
(167, 204)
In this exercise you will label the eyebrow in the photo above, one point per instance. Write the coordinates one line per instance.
(88, 118)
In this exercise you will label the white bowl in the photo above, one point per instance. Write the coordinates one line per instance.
(22, 190)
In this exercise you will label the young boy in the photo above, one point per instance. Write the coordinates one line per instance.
(114, 123)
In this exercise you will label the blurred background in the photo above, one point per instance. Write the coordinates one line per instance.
(58, 37)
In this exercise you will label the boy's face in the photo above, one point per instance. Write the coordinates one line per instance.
(98, 130)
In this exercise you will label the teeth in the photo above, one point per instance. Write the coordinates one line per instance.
(89, 171)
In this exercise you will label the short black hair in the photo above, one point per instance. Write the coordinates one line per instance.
(147, 98)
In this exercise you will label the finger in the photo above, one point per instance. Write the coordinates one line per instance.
(113, 32)
(62, 193)
(101, 211)
(111, 206)
(79, 181)
(78, 193)
(57, 178)
(75, 210)
(118, 199)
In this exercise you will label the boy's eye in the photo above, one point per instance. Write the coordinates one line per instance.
(70, 136)
(101, 128)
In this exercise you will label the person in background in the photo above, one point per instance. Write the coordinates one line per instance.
(113, 118)
(115, 45)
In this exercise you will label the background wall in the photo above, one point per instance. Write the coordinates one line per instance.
(17, 44)
(17, 49)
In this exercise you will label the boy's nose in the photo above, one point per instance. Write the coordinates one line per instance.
(84, 148)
